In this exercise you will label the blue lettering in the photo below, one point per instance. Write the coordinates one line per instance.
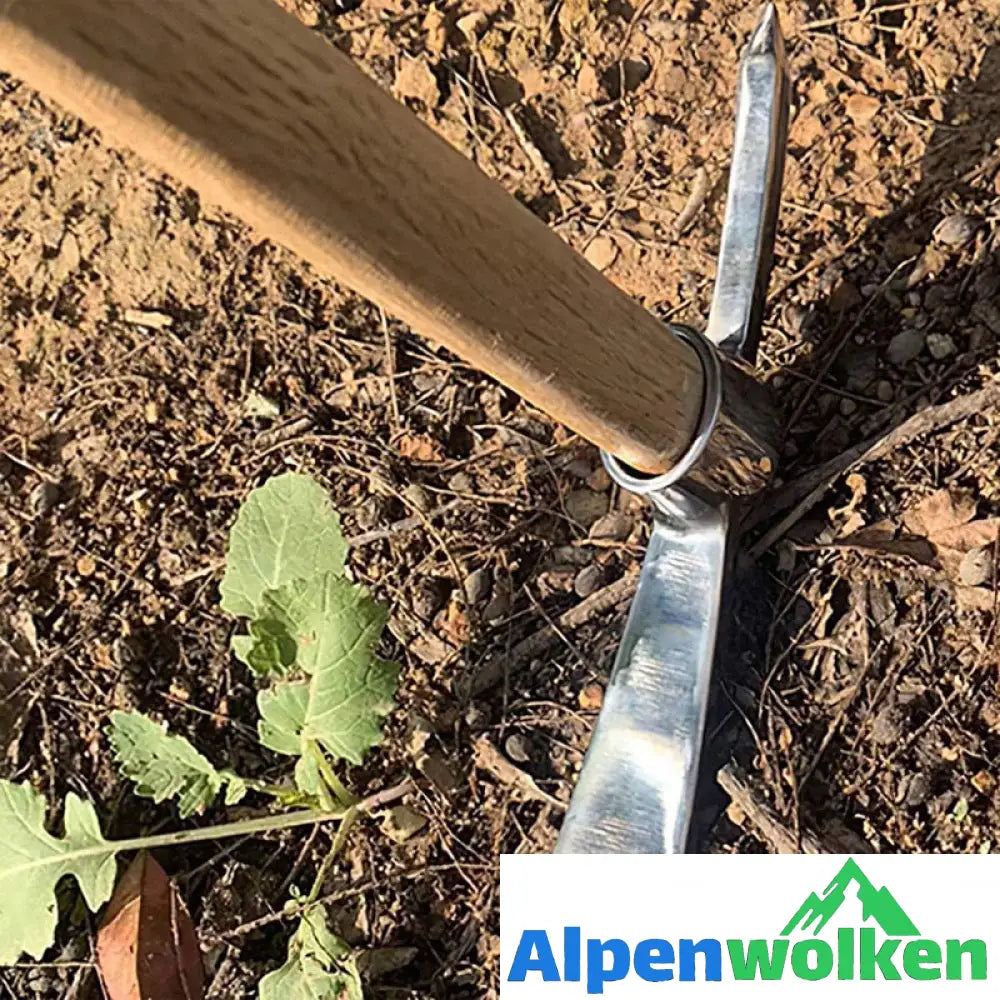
(710, 949)
(652, 960)
(597, 972)
(571, 954)
(525, 959)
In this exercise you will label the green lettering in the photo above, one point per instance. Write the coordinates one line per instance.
(870, 959)
(845, 953)
(812, 960)
(755, 960)
(922, 959)
(975, 949)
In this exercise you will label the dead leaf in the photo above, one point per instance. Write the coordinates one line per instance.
(883, 541)
(976, 566)
(966, 537)
(975, 599)
(420, 447)
(939, 512)
(146, 945)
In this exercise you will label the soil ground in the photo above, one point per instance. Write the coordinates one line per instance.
(857, 692)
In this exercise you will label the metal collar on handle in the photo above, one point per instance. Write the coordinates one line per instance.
(641, 483)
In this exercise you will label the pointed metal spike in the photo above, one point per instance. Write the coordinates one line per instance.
(767, 37)
(754, 191)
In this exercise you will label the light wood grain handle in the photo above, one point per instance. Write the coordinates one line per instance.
(266, 119)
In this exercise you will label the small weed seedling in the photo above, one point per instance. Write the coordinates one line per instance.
(309, 640)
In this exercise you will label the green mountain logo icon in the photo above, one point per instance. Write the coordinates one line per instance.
(877, 904)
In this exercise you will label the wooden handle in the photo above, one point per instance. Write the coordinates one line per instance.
(266, 119)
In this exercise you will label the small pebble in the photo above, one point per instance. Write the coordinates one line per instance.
(954, 231)
(417, 496)
(940, 346)
(884, 391)
(601, 253)
(905, 346)
(586, 506)
(615, 527)
(498, 607)
(979, 338)
(436, 770)
(516, 747)
(988, 313)
(976, 567)
(86, 566)
(401, 823)
(44, 497)
(987, 285)
(848, 407)
(477, 585)
(588, 580)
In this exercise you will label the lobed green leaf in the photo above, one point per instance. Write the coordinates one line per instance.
(319, 965)
(32, 861)
(165, 766)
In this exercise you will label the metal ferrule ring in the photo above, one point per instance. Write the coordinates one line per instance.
(642, 483)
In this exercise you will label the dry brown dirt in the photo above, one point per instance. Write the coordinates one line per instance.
(857, 688)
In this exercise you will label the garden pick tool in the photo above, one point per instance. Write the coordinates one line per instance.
(636, 789)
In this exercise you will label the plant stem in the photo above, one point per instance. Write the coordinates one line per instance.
(283, 792)
(329, 776)
(339, 840)
(241, 828)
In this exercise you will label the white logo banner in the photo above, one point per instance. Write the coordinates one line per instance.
(621, 926)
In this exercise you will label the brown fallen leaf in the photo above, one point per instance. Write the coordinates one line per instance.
(882, 540)
(420, 447)
(146, 945)
(939, 512)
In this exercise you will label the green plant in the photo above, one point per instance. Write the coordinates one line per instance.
(310, 639)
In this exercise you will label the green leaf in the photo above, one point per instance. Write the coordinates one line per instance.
(271, 649)
(334, 625)
(32, 862)
(319, 966)
(307, 776)
(286, 530)
(164, 766)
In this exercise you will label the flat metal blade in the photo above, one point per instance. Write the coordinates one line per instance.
(747, 243)
(636, 788)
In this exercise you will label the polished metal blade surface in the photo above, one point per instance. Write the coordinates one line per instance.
(754, 193)
(636, 787)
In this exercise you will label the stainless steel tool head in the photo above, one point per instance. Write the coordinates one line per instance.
(754, 191)
(636, 788)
